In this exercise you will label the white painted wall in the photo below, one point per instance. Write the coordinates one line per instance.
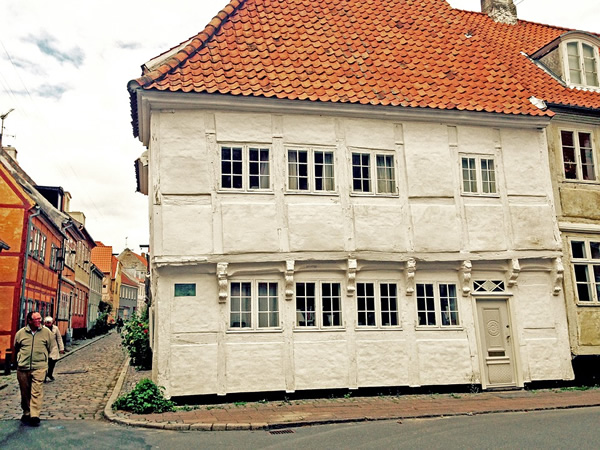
(194, 225)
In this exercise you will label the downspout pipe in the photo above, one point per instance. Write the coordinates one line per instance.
(37, 212)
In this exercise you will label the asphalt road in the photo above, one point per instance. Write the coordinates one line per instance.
(557, 429)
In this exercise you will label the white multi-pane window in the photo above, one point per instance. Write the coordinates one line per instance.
(245, 167)
(478, 175)
(437, 305)
(253, 305)
(377, 304)
(373, 173)
(585, 256)
(310, 170)
(578, 155)
(318, 305)
(582, 63)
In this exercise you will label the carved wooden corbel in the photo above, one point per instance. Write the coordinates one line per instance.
(515, 270)
(465, 270)
(289, 279)
(411, 267)
(351, 277)
(558, 273)
(222, 279)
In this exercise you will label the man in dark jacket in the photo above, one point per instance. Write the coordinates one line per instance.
(32, 346)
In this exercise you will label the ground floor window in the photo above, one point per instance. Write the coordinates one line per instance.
(318, 305)
(253, 304)
(585, 256)
(437, 305)
(377, 304)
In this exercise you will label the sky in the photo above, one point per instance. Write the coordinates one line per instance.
(64, 68)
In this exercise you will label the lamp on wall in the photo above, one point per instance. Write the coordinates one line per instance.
(4, 246)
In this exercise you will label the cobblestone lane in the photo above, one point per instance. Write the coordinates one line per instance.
(84, 382)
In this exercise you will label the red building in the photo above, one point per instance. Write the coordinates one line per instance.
(31, 260)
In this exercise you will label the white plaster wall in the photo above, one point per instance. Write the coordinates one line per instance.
(191, 218)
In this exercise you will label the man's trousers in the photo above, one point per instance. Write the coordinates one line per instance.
(31, 383)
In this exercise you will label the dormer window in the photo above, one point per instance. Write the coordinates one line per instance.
(582, 63)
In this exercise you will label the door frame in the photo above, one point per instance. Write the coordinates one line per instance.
(514, 345)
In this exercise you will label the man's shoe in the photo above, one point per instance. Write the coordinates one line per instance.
(34, 421)
(51, 378)
(25, 418)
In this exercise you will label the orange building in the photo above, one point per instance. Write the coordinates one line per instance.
(29, 268)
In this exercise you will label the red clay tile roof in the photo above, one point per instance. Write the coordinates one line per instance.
(128, 281)
(412, 53)
(102, 257)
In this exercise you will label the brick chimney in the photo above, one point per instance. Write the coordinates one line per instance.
(503, 11)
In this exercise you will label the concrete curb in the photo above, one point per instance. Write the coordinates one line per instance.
(108, 412)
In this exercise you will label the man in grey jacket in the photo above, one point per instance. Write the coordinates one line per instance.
(32, 346)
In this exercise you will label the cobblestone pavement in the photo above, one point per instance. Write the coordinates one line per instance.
(84, 381)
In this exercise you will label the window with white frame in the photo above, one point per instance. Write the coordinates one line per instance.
(310, 170)
(437, 305)
(585, 257)
(253, 305)
(245, 167)
(478, 175)
(578, 155)
(318, 305)
(377, 304)
(581, 63)
(373, 173)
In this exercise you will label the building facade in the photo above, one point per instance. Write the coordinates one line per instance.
(381, 214)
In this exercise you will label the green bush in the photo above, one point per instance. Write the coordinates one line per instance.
(136, 341)
(145, 398)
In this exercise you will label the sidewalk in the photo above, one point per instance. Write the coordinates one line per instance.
(295, 413)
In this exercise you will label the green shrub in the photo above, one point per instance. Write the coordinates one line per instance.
(136, 341)
(145, 398)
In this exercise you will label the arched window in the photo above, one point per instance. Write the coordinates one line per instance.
(582, 63)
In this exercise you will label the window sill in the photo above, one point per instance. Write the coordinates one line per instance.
(586, 182)
(321, 194)
(592, 304)
(365, 328)
(245, 191)
(436, 328)
(317, 329)
(373, 195)
(255, 330)
(475, 195)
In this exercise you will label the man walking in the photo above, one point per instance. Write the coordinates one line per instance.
(32, 345)
(56, 347)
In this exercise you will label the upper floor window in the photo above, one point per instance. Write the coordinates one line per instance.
(582, 63)
(578, 155)
(585, 257)
(370, 167)
(478, 175)
(245, 168)
(310, 170)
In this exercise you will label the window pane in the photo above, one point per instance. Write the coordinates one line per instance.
(240, 305)
(231, 167)
(488, 176)
(583, 282)
(331, 304)
(469, 175)
(305, 305)
(589, 65)
(595, 249)
(586, 155)
(448, 305)
(259, 168)
(365, 304)
(568, 149)
(361, 181)
(386, 178)
(324, 171)
(389, 304)
(298, 169)
(578, 249)
(574, 62)
(425, 305)
(268, 305)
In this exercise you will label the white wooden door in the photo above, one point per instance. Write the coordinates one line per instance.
(496, 343)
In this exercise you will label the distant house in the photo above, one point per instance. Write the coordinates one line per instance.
(103, 258)
(128, 297)
(95, 298)
(355, 194)
(136, 268)
(30, 260)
